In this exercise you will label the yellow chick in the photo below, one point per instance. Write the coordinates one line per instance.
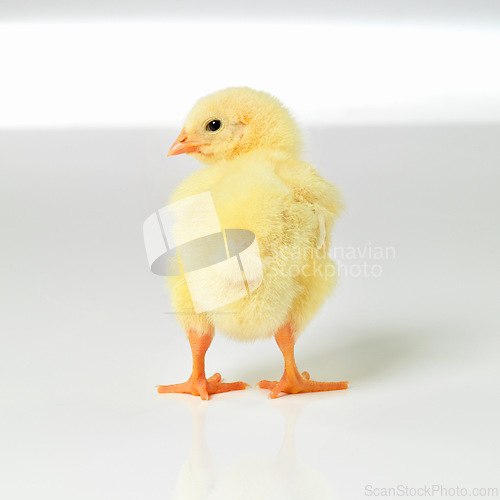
(258, 182)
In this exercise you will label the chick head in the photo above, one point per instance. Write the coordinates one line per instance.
(235, 121)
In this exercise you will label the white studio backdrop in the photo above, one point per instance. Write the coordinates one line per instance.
(402, 116)
(148, 73)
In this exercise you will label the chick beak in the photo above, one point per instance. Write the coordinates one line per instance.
(184, 145)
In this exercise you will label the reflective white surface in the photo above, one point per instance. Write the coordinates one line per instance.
(87, 331)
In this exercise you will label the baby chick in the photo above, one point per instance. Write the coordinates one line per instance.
(258, 182)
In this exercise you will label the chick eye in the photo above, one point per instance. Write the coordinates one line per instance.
(213, 125)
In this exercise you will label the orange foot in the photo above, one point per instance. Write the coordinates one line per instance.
(294, 383)
(200, 386)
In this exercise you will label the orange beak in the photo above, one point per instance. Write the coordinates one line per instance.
(183, 145)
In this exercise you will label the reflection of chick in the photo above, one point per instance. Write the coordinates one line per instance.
(258, 182)
(248, 477)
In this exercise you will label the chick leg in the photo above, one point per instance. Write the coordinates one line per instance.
(198, 384)
(292, 381)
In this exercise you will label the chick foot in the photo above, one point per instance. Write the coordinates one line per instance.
(198, 384)
(299, 383)
(203, 387)
(292, 382)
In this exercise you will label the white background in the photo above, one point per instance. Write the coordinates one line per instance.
(400, 108)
